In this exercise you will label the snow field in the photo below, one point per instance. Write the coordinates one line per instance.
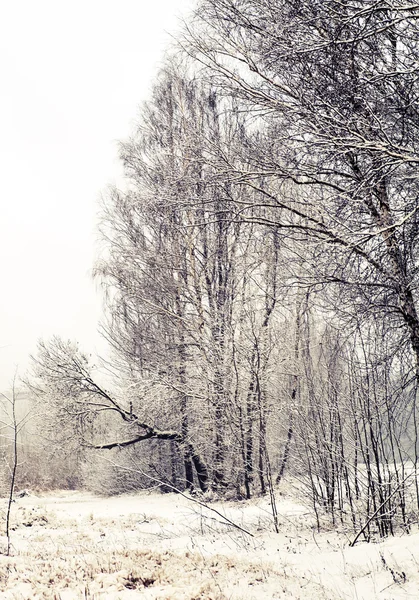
(73, 545)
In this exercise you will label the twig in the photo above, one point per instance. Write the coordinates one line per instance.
(14, 426)
(375, 513)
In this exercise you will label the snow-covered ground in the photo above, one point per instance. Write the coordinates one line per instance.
(73, 545)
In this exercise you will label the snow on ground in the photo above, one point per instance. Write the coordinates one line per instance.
(73, 545)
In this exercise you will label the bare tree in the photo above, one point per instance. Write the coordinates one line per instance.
(62, 376)
(12, 423)
(334, 87)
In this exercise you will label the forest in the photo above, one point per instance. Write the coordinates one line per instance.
(259, 271)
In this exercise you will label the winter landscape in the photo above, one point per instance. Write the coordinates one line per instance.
(248, 424)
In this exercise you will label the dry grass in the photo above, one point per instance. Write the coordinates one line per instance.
(155, 547)
(166, 575)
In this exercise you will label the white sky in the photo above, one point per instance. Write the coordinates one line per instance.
(72, 77)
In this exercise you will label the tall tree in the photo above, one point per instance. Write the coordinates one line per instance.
(170, 262)
(179, 268)
(334, 86)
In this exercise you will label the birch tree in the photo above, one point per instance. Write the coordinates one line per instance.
(178, 271)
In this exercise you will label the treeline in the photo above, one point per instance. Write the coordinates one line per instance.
(260, 267)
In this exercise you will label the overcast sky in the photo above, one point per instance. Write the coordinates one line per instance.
(72, 77)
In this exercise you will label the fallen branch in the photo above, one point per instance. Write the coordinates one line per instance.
(190, 498)
(375, 513)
